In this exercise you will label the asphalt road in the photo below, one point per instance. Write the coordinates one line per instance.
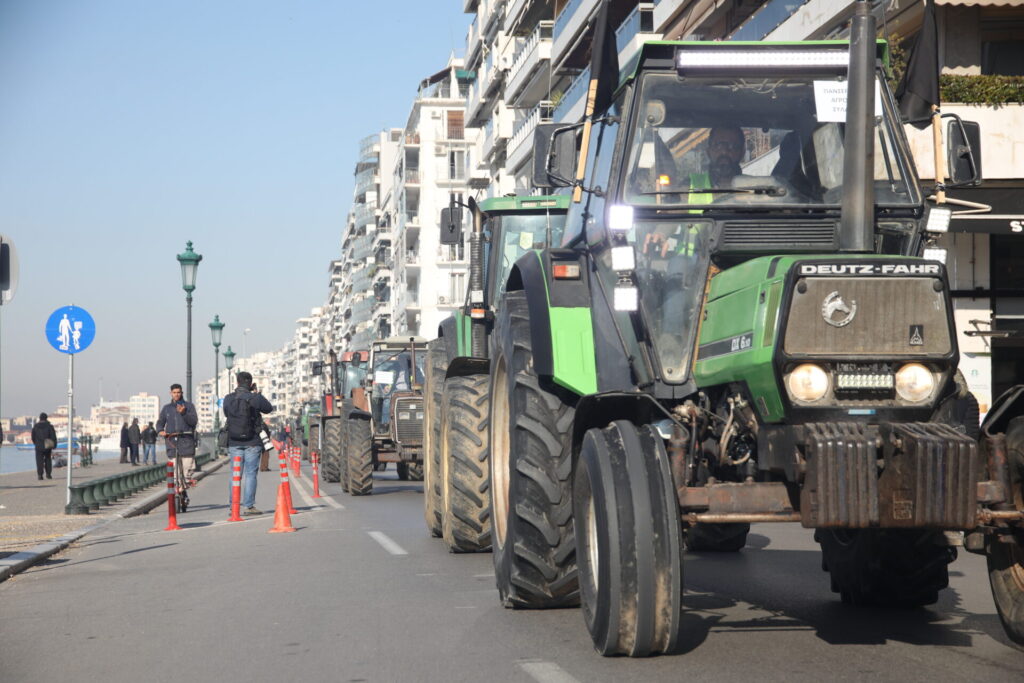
(361, 593)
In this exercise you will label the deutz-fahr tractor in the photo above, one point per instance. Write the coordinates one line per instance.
(738, 328)
(391, 430)
(457, 500)
(344, 391)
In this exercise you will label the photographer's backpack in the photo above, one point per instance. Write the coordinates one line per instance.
(242, 422)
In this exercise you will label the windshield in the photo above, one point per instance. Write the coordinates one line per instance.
(722, 141)
(350, 376)
(391, 371)
(515, 234)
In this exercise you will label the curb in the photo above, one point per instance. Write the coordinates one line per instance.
(19, 562)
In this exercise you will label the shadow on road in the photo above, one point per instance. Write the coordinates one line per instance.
(717, 582)
(62, 562)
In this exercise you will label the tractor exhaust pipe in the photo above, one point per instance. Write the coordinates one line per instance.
(858, 206)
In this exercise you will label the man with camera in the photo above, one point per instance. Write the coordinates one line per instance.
(243, 408)
(177, 423)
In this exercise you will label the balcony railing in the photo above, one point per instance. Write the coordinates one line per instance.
(522, 137)
(535, 50)
(573, 96)
(766, 19)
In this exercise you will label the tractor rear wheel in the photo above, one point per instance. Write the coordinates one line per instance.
(629, 542)
(331, 465)
(531, 473)
(360, 457)
(1006, 560)
(343, 423)
(437, 362)
(466, 521)
(886, 567)
(718, 538)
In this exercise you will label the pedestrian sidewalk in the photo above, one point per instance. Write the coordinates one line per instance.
(32, 519)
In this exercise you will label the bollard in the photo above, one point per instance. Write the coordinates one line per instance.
(282, 460)
(236, 490)
(297, 462)
(172, 513)
(315, 458)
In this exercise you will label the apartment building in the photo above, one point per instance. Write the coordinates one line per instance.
(144, 406)
(430, 165)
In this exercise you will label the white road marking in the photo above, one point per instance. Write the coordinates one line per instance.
(546, 672)
(310, 500)
(297, 486)
(387, 543)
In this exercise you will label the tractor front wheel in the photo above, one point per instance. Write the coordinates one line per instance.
(360, 457)
(331, 452)
(466, 522)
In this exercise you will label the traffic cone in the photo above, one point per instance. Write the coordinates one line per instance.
(282, 521)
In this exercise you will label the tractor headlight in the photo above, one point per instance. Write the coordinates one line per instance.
(807, 382)
(914, 382)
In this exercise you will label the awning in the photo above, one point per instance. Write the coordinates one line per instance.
(982, 3)
(1006, 217)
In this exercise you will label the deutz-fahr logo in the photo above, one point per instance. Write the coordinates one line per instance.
(870, 269)
(837, 312)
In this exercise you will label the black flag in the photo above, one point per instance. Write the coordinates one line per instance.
(918, 90)
(604, 61)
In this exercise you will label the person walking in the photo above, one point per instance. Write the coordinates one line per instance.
(45, 440)
(268, 445)
(148, 444)
(124, 443)
(242, 410)
(177, 423)
(134, 438)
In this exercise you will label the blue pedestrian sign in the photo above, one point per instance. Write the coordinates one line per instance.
(70, 329)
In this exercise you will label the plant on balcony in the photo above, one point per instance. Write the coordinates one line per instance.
(990, 90)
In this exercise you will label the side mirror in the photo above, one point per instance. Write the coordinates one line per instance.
(554, 155)
(963, 152)
(451, 225)
(318, 368)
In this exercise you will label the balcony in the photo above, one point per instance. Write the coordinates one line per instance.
(569, 24)
(497, 131)
(366, 180)
(570, 109)
(473, 39)
(531, 66)
(521, 145)
(635, 30)
(521, 16)
(766, 19)
(412, 176)
(364, 214)
(476, 102)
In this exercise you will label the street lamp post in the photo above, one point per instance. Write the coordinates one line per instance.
(245, 333)
(216, 330)
(229, 359)
(189, 261)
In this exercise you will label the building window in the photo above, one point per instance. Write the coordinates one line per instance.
(457, 288)
(456, 126)
(457, 165)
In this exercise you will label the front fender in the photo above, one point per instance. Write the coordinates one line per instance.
(561, 327)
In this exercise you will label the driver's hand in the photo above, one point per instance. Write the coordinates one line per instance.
(653, 240)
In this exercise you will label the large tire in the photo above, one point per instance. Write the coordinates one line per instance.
(403, 471)
(629, 541)
(346, 406)
(466, 518)
(437, 363)
(717, 538)
(1006, 560)
(331, 453)
(531, 473)
(360, 457)
(886, 567)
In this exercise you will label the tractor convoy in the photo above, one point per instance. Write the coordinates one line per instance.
(729, 323)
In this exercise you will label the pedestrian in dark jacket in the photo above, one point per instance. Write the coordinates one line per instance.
(45, 440)
(124, 443)
(242, 409)
(134, 439)
(148, 444)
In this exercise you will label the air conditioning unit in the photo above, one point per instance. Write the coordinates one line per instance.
(440, 149)
(442, 300)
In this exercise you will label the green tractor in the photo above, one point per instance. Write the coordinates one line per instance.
(738, 328)
(345, 391)
(457, 475)
(388, 425)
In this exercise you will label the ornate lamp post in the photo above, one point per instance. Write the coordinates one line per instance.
(229, 359)
(216, 330)
(189, 261)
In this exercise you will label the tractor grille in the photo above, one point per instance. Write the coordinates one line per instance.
(778, 237)
(408, 420)
(880, 316)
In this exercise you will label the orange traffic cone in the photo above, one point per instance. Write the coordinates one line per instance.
(282, 520)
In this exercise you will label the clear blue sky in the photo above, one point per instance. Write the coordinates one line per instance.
(130, 126)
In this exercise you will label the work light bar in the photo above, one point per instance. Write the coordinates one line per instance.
(734, 59)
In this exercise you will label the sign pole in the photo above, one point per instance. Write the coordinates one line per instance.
(71, 412)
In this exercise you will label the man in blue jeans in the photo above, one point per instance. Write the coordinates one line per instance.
(242, 408)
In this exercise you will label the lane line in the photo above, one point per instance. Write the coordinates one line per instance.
(387, 543)
(310, 500)
(546, 672)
